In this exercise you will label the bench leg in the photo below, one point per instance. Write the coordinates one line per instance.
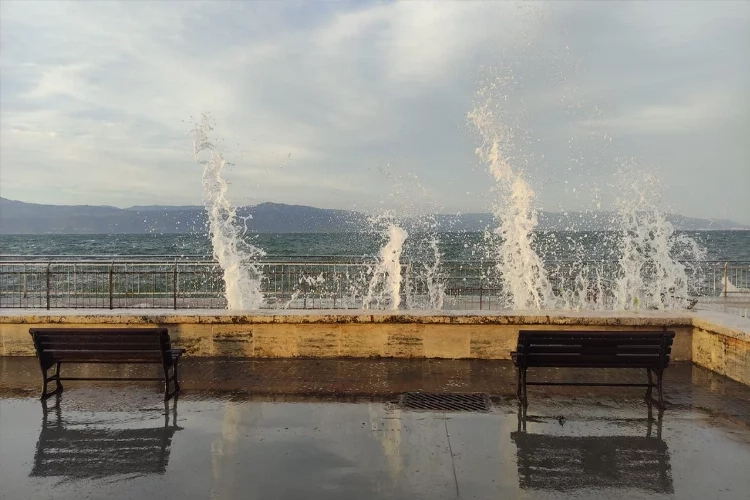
(525, 399)
(659, 379)
(659, 388)
(166, 383)
(521, 418)
(173, 379)
(47, 379)
(519, 394)
(176, 376)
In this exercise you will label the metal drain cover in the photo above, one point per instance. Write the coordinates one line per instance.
(450, 402)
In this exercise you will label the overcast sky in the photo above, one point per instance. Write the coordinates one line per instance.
(325, 104)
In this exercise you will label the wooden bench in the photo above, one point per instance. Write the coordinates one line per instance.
(55, 346)
(591, 349)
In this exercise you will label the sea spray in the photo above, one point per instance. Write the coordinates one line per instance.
(238, 259)
(651, 274)
(433, 275)
(523, 278)
(384, 290)
(411, 206)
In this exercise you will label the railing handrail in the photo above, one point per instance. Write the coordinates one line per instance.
(285, 259)
(335, 281)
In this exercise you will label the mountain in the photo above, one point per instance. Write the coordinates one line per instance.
(17, 217)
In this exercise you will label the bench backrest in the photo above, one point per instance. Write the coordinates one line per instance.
(101, 344)
(591, 349)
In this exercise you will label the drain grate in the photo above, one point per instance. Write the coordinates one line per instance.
(477, 402)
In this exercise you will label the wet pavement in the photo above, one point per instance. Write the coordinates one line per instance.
(332, 429)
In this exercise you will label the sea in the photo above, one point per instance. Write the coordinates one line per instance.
(732, 246)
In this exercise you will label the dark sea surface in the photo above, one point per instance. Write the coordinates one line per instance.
(552, 245)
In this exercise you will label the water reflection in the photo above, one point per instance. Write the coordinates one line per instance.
(573, 462)
(89, 450)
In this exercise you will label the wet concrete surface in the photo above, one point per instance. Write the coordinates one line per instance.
(330, 429)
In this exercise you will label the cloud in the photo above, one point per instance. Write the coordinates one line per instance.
(699, 113)
(98, 98)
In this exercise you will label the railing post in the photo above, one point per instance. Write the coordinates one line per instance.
(407, 288)
(49, 264)
(480, 297)
(125, 282)
(174, 285)
(111, 288)
(726, 264)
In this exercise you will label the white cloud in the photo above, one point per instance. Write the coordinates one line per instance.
(698, 113)
(97, 97)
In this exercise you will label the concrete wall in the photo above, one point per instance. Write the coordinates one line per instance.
(716, 341)
(722, 343)
(347, 334)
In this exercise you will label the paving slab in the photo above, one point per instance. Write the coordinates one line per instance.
(333, 429)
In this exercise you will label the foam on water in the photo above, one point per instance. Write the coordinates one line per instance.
(238, 258)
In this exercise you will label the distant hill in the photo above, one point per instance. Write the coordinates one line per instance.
(17, 217)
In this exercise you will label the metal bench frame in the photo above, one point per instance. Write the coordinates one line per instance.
(594, 349)
(159, 352)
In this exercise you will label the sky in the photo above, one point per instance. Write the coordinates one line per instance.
(364, 105)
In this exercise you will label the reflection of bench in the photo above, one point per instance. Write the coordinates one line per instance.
(55, 346)
(589, 349)
(566, 463)
(83, 452)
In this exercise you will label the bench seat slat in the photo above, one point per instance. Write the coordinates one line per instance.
(104, 352)
(577, 340)
(155, 357)
(101, 339)
(94, 337)
(110, 362)
(586, 349)
(97, 331)
(103, 346)
(602, 333)
(614, 364)
(592, 358)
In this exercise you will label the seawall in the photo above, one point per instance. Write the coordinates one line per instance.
(716, 341)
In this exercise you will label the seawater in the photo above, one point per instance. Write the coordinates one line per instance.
(550, 245)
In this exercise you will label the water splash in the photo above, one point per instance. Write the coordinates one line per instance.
(384, 290)
(651, 274)
(237, 258)
(523, 278)
(303, 283)
(415, 206)
(433, 276)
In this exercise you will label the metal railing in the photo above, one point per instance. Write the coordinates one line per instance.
(300, 282)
